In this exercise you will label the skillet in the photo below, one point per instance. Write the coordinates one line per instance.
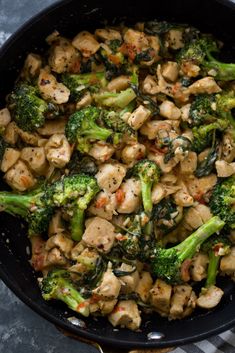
(69, 17)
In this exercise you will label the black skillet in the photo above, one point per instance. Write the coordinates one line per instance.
(69, 17)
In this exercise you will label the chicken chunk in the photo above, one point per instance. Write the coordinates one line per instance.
(104, 205)
(197, 187)
(52, 127)
(131, 189)
(32, 65)
(84, 101)
(138, 117)
(152, 128)
(224, 169)
(204, 85)
(86, 43)
(101, 151)
(228, 147)
(150, 85)
(107, 34)
(169, 110)
(110, 176)
(58, 150)
(56, 225)
(105, 307)
(52, 90)
(119, 83)
(210, 297)
(160, 297)
(19, 177)
(132, 153)
(10, 133)
(227, 262)
(109, 287)
(125, 314)
(183, 301)
(60, 241)
(196, 216)
(63, 56)
(144, 285)
(136, 39)
(30, 138)
(9, 158)
(100, 234)
(170, 71)
(5, 118)
(189, 164)
(36, 159)
(174, 39)
(128, 282)
(56, 258)
(160, 190)
(198, 268)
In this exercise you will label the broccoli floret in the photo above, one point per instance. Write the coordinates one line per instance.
(215, 247)
(199, 52)
(74, 193)
(59, 286)
(180, 144)
(207, 108)
(82, 128)
(222, 201)
(115, 100)
(27, 107)
(78, 83)
(149, 173)
(113, 121)
(35, 207)
(203, 135)
(166, 263)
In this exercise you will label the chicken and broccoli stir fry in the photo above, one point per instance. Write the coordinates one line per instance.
(119, 147)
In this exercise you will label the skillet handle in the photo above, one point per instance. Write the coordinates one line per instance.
(110, 349)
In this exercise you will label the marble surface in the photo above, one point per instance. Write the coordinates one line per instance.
(22, 330)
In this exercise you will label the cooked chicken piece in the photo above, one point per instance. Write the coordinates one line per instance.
(77, 250)
(183, 301)
(182, 197)
(189, 69)
(198, 268)
(104, 205)
(228, 148)
(189, 164)
(169, 179)
(110, 176)
(204, 85)
(101, 151)
(30, 138)
(60, 241)
(84, 101)
(159, 191)
(152, 128)
(100, 234)
(39, 254)
(58, 150)
(86, 43)
(196, 216)
(210, 297)
(119, 83)
(9, 158)
(160, 297)
(11, 134)
(56, 225)
(155, 43)
(125, 314)
(5, 118)
(131, 189)
(224, 169)
(138, 117)
(227, 263)
(132, 153)
(36, 159)
(55, 257)
(197, 187)
(107, 34)
(136, 39)
(130, 281)
(150, 85)
(105, 307)
(144, 285)
(170, 71)
(169, 110)
(159, 159)
(63, 56)
(174, 39)
(109, 287)
(185, 109)
(32, 65)
(19, 177)
(51, 89)
(52, 127)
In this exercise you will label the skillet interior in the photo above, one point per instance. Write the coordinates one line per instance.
(68, 17)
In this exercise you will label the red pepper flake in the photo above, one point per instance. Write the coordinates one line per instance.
(184, 271)
(120, 196)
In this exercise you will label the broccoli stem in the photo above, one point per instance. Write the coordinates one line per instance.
(212, 269)
(15, 204)
(77, 224)
(224, 71)
(146, 189)
(98, 133)
(189, 246)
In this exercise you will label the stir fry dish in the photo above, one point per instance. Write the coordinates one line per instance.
(119, 148)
